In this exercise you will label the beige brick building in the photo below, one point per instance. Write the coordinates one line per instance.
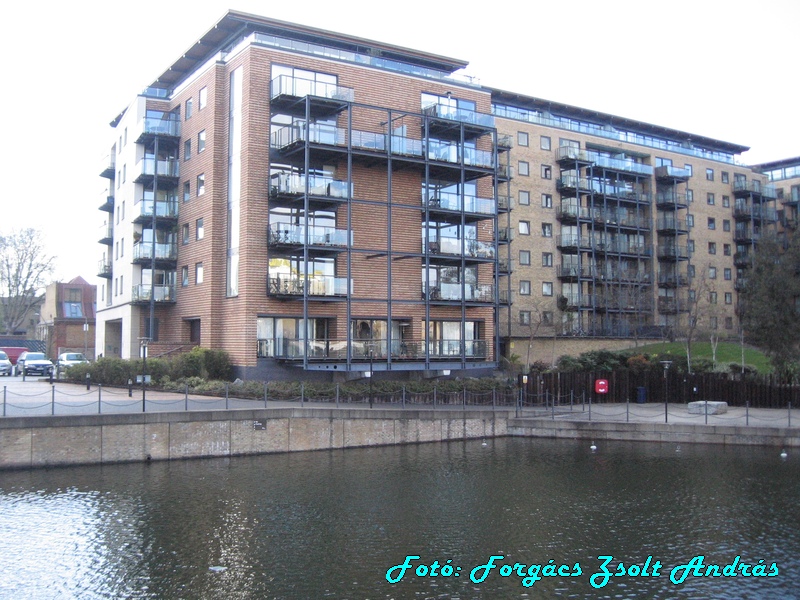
(323, 205)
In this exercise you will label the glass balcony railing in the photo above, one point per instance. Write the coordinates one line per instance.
(453, 246)
(106, 233)
(377, 350)
(600, 187)
(743, 209)
(318, 185)
(670, 172)
(455, 202)
(144, 251)
(299, 235)
(163, 208)
(590, 156)
(671, 200)
(457, 292)
(160, 293)
(159, 123)
(671, 224)
(673, 252)
(164, 168)
(755, 187)
(104, 268)
(314, 285)
(463, 115)
(286, 85)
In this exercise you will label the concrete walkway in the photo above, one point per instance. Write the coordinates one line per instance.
(35, 397)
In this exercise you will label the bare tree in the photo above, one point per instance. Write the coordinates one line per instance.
(700, 309)
(25, 269)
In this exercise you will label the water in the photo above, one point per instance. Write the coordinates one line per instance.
(330, 524)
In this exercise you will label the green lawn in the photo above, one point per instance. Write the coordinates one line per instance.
(727, 352)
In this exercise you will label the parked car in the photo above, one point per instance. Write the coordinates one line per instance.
(5, 364)
(70, 359)
(33, 363)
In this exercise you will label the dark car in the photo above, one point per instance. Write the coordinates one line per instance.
(33, 363)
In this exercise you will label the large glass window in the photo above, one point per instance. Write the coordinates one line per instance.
(285, 337)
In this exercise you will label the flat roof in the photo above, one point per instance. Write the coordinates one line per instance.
(567, 110)
(235, 23)
(777, 164)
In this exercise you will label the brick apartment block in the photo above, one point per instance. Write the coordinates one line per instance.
(325, 206)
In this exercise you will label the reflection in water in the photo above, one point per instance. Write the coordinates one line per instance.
(330, 524)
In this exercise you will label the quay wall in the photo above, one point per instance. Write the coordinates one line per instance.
(32, 442)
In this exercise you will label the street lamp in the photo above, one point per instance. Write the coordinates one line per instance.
(371, 348)
(143, 350)
(666, 364)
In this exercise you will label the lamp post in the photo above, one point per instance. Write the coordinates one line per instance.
(143, 349)
(371, 348)
(666, 364)
(85, 336)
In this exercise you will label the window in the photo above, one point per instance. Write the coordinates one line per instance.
(710, 174)
(547, 201)
(690, 247)
(525, 288)
(184, 276)
(547, 259)
(547, 288)
(724, 176)
(728, 322)
(712, 297)
(524, 228)
(524, 317)
(185, 234)
(692, 296)
(524, 168)
(199, 229)
(712, 247)
(728, 298)
(201, 184)
(547, 317)
(726, 249)
(187, 191)
(689, 196)
(547, 172)
(713, 322)
(691, 271)
(726, 225)
(525, 257)
(727, 274)
(712, 272)
(710, 198)
(524, 197)
(544, 142)
(188, 109)
(201, 141)
(187, 149)
(712, 223)
(202, 98)
(547, 230)
(690, 221)
(726, 201)
(689, 168)
(198, 273)
(522, 138)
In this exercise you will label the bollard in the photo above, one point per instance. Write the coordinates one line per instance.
(590, 408)
(628, 409)
(464, 403)
(130, 388)
(404, 396)
(4, 401)
(88, 382)
(553, 410)
(265, 394)
(99, 397)
(302, 392)
(494, 398)
(434, 396)
(747, 414)
(186, 397)
(337, 395)
(52, 399)
(51, 376)
(226, 395)
(790, 414)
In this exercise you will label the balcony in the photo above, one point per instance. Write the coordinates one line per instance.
(672, 280)
(483, 293)
(322, 190)
(671, 226)
(165, 210)
(446, 201)
(505, 173)
(107, 202)
(668, 305)
(574, 272)
(291, 93)
(293, 236)
(671, 201)
(108, 170)
(505, 142)
(314, 286)
(160, 293)
(454, 349)
(742, 260)
(148, 168)
(745, 235)
(569, 242)
(106, 234)
(504, 235)
(157, 123)
(591, 157)
(742, 187)
(457, 247)
(505, 266)
(144, 252)
(744, 210)
(672, 252)
(104, 269)
(461, 115)
(505, 203)
(333, 349)
(670, 173)
(740, 283)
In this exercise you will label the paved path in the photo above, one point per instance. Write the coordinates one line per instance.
(34, 397)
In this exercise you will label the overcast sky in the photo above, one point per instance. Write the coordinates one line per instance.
(726, 70)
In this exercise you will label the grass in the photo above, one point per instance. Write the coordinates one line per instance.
(727, 352)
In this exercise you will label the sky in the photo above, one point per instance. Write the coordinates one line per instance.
(721, 69)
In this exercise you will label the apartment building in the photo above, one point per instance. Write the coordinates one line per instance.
(306, 201)
(324, 205)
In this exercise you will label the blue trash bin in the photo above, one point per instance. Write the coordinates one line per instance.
(641, 395)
